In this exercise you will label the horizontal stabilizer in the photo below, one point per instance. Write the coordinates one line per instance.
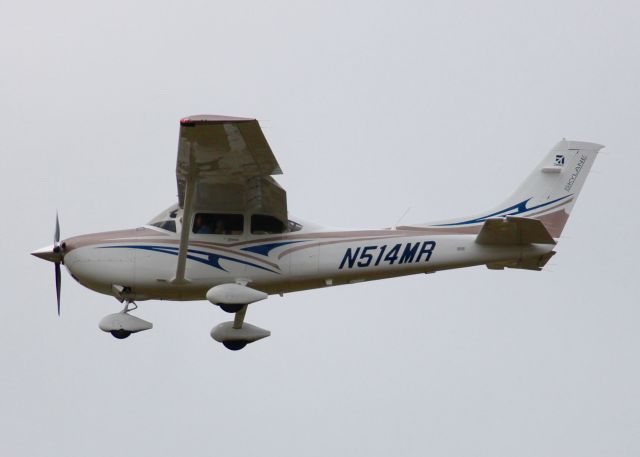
(536, 263)
(513, 231)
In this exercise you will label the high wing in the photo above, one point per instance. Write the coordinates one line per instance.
(230, 162)
(225, 164)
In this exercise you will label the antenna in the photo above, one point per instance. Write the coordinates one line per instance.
(401, 217)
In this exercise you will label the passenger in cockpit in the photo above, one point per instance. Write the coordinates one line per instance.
(220, 228)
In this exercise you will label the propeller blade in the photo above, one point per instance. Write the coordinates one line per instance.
(58, 284)
(56, 235)
(56, 248)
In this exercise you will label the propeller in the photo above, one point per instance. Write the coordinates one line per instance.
(55, 254)
(56, 249)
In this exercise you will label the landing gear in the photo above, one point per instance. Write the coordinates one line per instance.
(121, 325)
(129, 306)
(234, 298)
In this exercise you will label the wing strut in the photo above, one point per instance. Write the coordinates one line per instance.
(187, 212)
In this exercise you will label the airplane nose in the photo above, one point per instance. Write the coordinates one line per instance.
(50, 253)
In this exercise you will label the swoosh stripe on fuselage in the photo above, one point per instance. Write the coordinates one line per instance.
(212, 259)
(518, 208)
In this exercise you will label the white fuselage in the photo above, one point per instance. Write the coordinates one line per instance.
(143, 260)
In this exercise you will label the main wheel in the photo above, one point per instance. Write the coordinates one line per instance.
(231, 308)
(120, 334)
(235, 345)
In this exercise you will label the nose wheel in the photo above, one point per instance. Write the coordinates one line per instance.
(122, 334)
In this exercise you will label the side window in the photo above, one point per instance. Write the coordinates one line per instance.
(218, 224)
(264, 225)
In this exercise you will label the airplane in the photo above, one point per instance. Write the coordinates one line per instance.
(229, 238)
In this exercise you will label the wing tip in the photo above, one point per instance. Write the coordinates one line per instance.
(211, 119)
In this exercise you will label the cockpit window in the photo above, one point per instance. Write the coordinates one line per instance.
(166, 225)
(218, 224)
(264, 225)
(293, 226)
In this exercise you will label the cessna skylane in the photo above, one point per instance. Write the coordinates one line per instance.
(229, 238)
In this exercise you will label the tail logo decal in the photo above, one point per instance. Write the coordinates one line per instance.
(575, 173)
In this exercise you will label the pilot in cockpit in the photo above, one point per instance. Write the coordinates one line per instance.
(200, 226)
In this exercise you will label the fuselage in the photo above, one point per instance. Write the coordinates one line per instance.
(229, 239)
(143, 260)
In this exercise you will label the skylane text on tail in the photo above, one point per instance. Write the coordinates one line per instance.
(229, 238)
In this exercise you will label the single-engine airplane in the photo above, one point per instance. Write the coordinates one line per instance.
(230, 239)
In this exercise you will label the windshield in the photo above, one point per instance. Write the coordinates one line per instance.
(165, 225)
(166, 220)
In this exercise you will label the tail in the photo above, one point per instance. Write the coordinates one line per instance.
(548, 194)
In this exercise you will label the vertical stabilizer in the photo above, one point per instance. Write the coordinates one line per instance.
(548, 194)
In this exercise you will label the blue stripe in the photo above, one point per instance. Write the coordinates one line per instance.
(211, 259)
(518, 208)
(265, 249)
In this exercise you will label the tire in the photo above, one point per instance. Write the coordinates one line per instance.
(120, 334)
(231, 308)
(235, 345)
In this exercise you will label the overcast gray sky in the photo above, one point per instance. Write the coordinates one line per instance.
(371, 107)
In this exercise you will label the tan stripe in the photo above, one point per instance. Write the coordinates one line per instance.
(466, 230)
(95, 238)
(324, 243)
